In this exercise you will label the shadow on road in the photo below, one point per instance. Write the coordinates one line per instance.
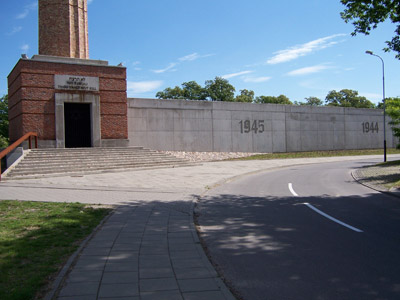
(278, 248)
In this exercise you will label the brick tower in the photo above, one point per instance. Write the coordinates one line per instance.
(63, 28)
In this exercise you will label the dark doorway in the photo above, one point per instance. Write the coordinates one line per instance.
(78, 131)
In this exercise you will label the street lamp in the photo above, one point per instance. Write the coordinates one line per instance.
(384, 103)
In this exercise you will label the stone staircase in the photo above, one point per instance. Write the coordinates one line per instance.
(79, 161)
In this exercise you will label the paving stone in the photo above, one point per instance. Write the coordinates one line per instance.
(79, 289)
(184, 254)
(152, 237)
(87, 297)
(92, 251)
(177, 241)
(154, 261)
(152, 285)
(153, 250)
(182, 247)
(190, 273)
(120, 298)
(163, 295)
(180, 235)
(148, 273)
(90, 263)
(187, 263)
(78, 275)
(209, 295)
(129, 266)
(118, 290)
(128, 240)
(198, 285)
(123, 256)
(120, 277)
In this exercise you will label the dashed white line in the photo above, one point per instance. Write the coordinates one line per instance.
(322, 213)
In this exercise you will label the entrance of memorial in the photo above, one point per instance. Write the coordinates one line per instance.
(78, 131)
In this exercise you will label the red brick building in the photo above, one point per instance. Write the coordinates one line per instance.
(69, 100)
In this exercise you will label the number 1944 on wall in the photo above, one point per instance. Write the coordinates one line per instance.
(370, 127)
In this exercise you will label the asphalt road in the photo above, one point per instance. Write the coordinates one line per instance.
(306, 232)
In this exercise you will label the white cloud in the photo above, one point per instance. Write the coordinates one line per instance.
(27, 9)
(193, 56)
(257, 79)
(227, 76)
(140, 87)
(170, 67)
(189, 57)
(89, 1)
(303, 49)
(15, 30)
(25, 48)
(308, 70)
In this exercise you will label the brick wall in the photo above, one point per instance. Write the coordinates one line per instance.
(63, 28)
(32, 100)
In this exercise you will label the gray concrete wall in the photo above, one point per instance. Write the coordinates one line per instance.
(246, 127)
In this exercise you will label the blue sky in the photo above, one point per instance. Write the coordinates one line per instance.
(296, 48)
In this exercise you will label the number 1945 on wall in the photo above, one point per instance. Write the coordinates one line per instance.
(256, 126)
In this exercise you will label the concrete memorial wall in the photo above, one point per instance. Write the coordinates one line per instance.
(246, 127)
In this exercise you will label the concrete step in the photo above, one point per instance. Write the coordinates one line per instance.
(93, 168)
(93, 159)
(87, 172)
(93, 164)
(42, 162)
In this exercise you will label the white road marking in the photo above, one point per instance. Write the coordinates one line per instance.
(322, 213)
(292, 190)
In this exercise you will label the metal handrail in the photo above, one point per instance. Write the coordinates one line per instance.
(14, 145)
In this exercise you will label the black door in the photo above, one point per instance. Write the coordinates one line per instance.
(78, 132)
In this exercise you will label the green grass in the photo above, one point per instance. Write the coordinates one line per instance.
(36, 238)
(318, 154)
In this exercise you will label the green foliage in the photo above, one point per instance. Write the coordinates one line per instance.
(245, 96)
(171, 93)
(281, 99)
(36, 238)
(4, 121)
(313, 101)
(193, 91)
(393, 111)
(220, 89)
(367, 14)
(347, 98)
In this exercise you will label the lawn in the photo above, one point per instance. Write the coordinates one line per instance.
(36, 239)
(318, 154)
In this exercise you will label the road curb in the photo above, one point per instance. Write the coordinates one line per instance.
(361, 180)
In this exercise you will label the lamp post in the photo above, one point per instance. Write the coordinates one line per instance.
(384, 103)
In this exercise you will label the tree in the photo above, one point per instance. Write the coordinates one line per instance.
(367, 14)
(220, 89)
(245, 96)
(347, 98)
(281, 99)
(4, 121)
(393, 111)
(313, 101)
(193, 91)
(171, 93)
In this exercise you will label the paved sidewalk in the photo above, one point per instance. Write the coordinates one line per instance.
(148, 248)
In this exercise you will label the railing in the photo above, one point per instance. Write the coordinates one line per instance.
(14, 145)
